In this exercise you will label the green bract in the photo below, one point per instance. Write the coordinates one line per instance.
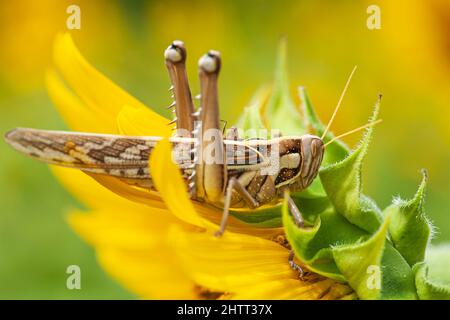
(280, 102)
(381, 254)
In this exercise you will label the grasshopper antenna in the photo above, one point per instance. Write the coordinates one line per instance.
(370, 124)
(339, 102)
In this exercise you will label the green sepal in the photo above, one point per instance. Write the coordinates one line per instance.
(354, 261)
(311, 202)
(433, 275)
(313, 245)
(342, 183)
(281, 112)
(438, 260)
(397, 276)
(410, 229)
(337, 249)
(263, 217)
(429, 289)
(250, 123)
(374, 269)
(345, 231)
(337, 150)
(304, 242)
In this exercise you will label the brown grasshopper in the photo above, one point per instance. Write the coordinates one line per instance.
(237, 178)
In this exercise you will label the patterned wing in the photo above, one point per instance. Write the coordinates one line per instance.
(120, 156)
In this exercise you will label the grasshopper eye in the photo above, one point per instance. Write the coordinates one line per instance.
(175, 52)
(210, 62)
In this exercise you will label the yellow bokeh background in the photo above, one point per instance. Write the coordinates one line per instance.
(407, 60)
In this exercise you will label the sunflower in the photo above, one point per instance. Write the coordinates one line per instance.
(160, 244)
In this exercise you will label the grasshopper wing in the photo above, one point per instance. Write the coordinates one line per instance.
(114, 155)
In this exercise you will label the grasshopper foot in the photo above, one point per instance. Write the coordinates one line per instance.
(294, 265)
(218, 233)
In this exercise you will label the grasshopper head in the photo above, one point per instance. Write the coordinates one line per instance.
(300, 159)
(312, 154)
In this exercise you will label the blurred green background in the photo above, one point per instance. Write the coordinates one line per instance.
(408, 60)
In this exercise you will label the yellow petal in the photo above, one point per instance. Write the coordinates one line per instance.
(89, 84)
(232, 261)
(135, 194)
(97, 92)
(287, 289)
(141, 121)
(132, 247)
(339, 291)
(170, 184)
(150, 277)
(137, 229)
(247, 267)
(87, 190)
(77, 116)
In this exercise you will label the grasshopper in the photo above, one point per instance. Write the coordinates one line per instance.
(237, 178)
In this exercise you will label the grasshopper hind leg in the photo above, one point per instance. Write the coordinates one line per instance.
(234, 184)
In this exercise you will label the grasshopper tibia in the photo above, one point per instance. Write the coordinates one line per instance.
(233, 184)
(298, 218)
